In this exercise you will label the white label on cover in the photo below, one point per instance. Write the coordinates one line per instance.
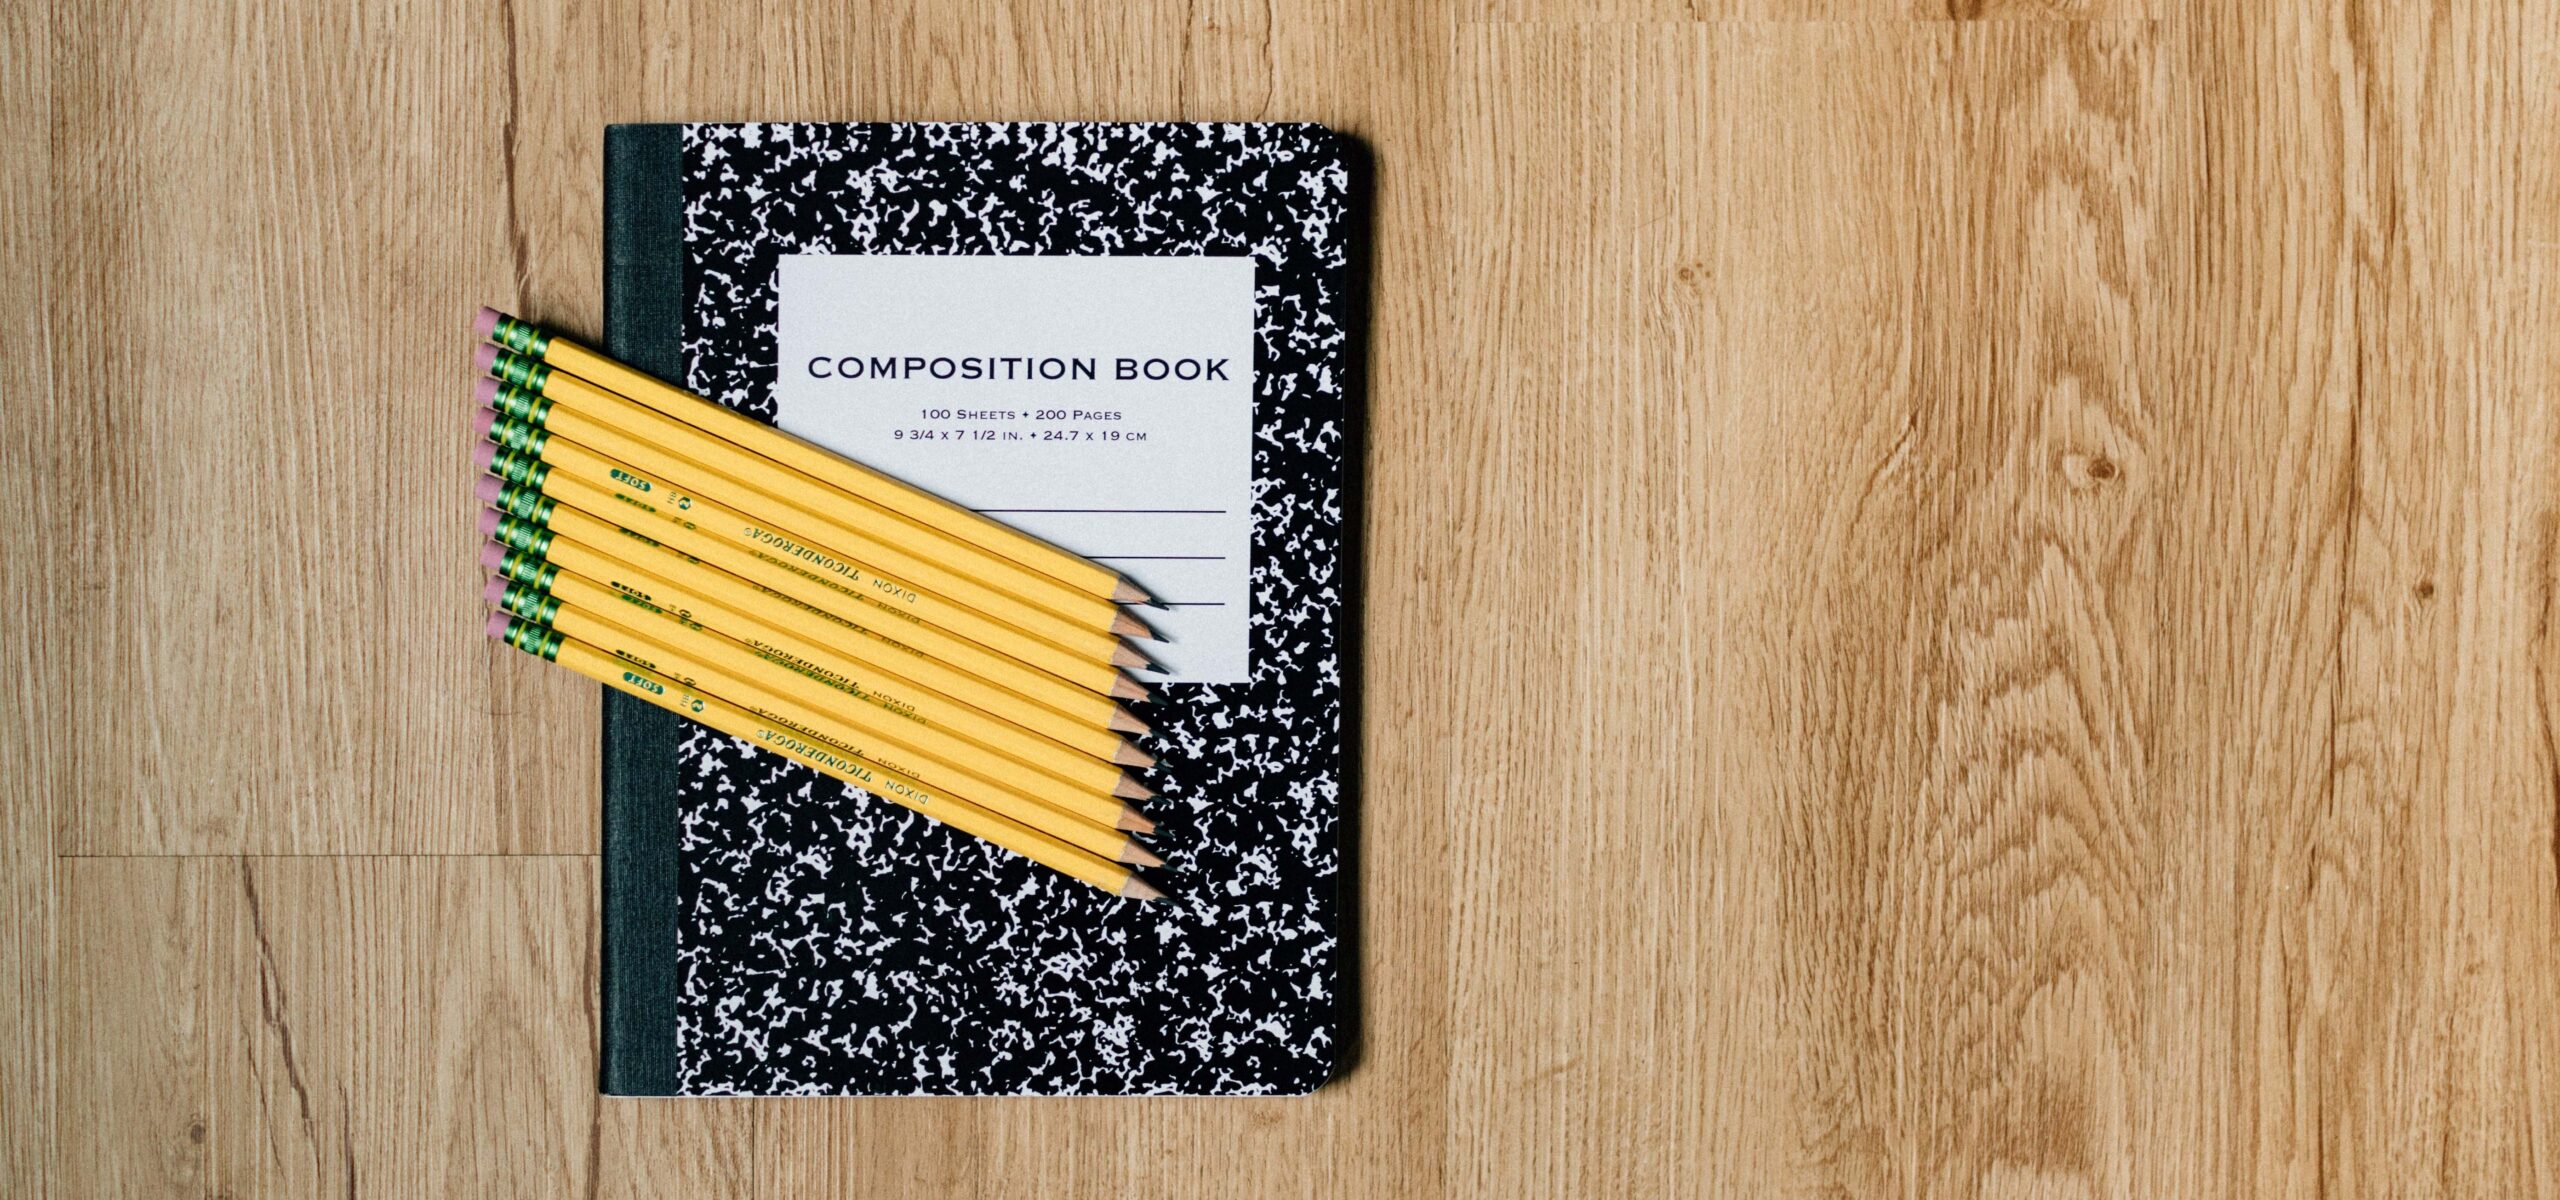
(1104, 404)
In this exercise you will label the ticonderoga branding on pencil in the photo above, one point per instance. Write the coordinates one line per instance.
(854, 767)
(818, 674)
(807, 751)
(872, 755)
(518, 437)
(518, 404)
(522, 536)
(524, 503)
(519, 470)
(536, 640)
(838, 586)
(795, 549)
(520, 337)
(520, 371)
(899, 592)
(811, 670)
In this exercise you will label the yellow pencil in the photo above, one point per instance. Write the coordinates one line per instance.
(725, 717)
(1073, 815)
(841, 526)
(894, 676)
(924, 508)
(590, 415)
(970, 740)
(1090, 659)
(598, 516)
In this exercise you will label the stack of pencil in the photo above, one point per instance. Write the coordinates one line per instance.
(715, 566)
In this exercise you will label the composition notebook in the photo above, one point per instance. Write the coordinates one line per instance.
(1133, 340)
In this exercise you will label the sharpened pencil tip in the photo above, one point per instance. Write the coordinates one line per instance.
(1122, 656)
(1128, 626)
(1139, 855)
(1133, 821)
(1125, 688)
(1131, 789)
(1131, 756)
(1130, 593)
(1139, 889)
(1124, 721)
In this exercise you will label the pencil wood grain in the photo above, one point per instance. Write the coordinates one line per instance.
(1959, 598)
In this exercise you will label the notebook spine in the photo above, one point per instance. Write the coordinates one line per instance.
(643, 326)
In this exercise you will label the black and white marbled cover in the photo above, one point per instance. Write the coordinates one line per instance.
(829, 943)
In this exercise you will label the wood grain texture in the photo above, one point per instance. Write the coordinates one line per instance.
(1960, 598)
(247, 201)
(34, 753)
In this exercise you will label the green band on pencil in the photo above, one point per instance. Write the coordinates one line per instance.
(523, 536)
(533, 639)
(530, 603)
(520, 567)
(519, 470)
(519, 437)
(520, 371)
(524, 503)
(518, 404)
(520, 337)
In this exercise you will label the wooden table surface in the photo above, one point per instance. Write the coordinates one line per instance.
(1960, 598)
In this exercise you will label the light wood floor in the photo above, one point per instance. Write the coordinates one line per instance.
(1957, 607)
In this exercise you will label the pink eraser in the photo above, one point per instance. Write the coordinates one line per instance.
(484, 420)
(486, 323)
(496, 591)
(492, 556)
(484, 358)
(488, 521)
(484, 453)
(486, 391)
(498, 623)
(487, 488)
